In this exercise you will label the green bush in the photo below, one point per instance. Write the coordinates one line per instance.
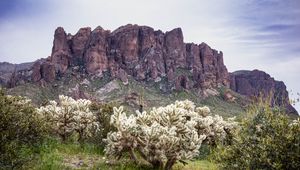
(103, 112)
(267, 139)
(21, 131)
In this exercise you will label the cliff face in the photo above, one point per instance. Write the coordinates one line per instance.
(260, 84)
(146, 55)
(139, 51)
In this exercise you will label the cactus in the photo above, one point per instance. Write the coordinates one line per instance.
(164, 135)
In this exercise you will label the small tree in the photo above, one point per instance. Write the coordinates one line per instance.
(267, 139)
(21, 131)
(69, 115)
(163, 136)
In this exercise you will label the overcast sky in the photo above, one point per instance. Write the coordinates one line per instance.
(253, 34)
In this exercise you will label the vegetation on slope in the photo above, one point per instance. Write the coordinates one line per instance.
(130, 96)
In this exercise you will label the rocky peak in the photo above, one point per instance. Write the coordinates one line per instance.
(61, 52)
(60, 41)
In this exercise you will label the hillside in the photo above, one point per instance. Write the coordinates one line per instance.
(130, 95)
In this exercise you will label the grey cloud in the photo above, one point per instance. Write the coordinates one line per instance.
(278, 27)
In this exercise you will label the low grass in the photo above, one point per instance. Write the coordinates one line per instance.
(56, 155)
(196, 165)
(73, 156)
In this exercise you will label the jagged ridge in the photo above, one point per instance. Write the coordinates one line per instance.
(146, 55)
(134, 50)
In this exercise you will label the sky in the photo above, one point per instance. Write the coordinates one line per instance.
(253, 34)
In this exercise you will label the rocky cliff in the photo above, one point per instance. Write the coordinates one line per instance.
(257, 83)
(140, 51)
(147, 55)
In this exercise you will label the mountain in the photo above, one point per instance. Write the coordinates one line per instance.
(96, 62)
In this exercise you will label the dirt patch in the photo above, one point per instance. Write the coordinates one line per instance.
(80, 162)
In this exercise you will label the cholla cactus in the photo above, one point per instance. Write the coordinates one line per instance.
(216, 128)
(69, 115)
(295, 122)
(84, 119)
(165, 134)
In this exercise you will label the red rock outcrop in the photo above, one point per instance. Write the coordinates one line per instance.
(78, 45)
(175, 55)
(36, 72)
(255, 84)
(48, 71)
(95, 55)
(43, 69)
(61, 52)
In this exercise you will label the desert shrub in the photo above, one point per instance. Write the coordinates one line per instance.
(267, 139)
(165, 135)
(204, 152)
(21, 131)
(69, 116)
(103, 112)
(217, 131)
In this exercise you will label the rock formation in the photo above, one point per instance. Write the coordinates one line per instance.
(138, 51)
(146, 55)
(257, 84)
